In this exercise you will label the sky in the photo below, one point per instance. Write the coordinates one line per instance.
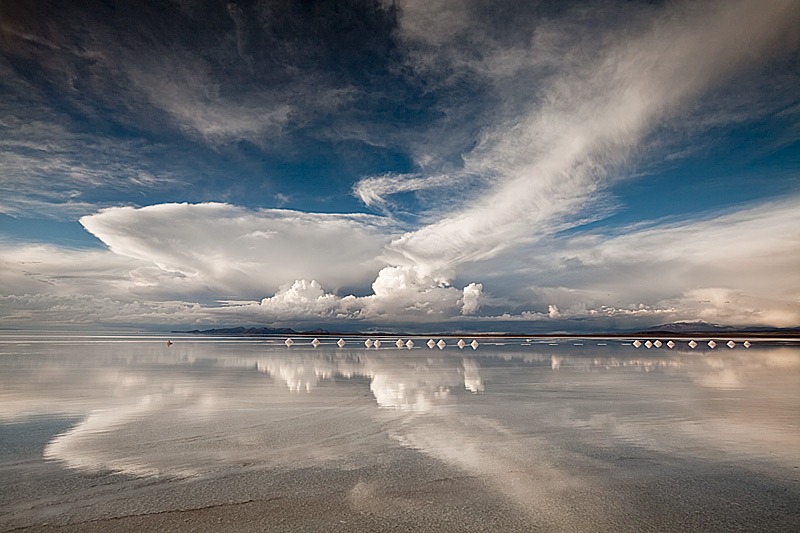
(425, 166)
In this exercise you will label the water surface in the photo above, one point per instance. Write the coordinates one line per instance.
(127, 432)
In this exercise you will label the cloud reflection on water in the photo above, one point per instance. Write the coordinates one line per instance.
(195, 410)
(406, 383)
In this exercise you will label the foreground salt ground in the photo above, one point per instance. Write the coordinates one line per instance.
(102, 434)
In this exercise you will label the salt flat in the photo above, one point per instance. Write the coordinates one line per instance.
(128, 433)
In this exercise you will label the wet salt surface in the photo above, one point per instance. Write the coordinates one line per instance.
(208, 434)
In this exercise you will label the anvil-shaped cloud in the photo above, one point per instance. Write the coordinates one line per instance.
(237, 251)
(518, 226)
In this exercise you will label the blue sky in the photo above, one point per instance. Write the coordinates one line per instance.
(438, 165)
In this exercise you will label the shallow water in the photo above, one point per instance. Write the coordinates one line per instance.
(127, 432)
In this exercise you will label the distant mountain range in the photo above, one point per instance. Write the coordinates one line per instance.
(696, 327)
(681, 329)
(242, 332)
(692, 326)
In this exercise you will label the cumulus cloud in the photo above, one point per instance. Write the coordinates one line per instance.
(303, 299)
(402, 293)
(398, 293)
(472, 299)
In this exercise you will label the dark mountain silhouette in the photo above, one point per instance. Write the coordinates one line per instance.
(701, 327)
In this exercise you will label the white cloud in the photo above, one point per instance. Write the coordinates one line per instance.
(749, 255)
(569, 137)
(399, 293)
(559, 137)
(191, 95)
(374, 191)
(48, 168)
(162, 256)
(737, 267)
(241, 253)
(43, 268)
(402, 291)
(173, 264)
(43, 310)
(303, 299)
(472, 299)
